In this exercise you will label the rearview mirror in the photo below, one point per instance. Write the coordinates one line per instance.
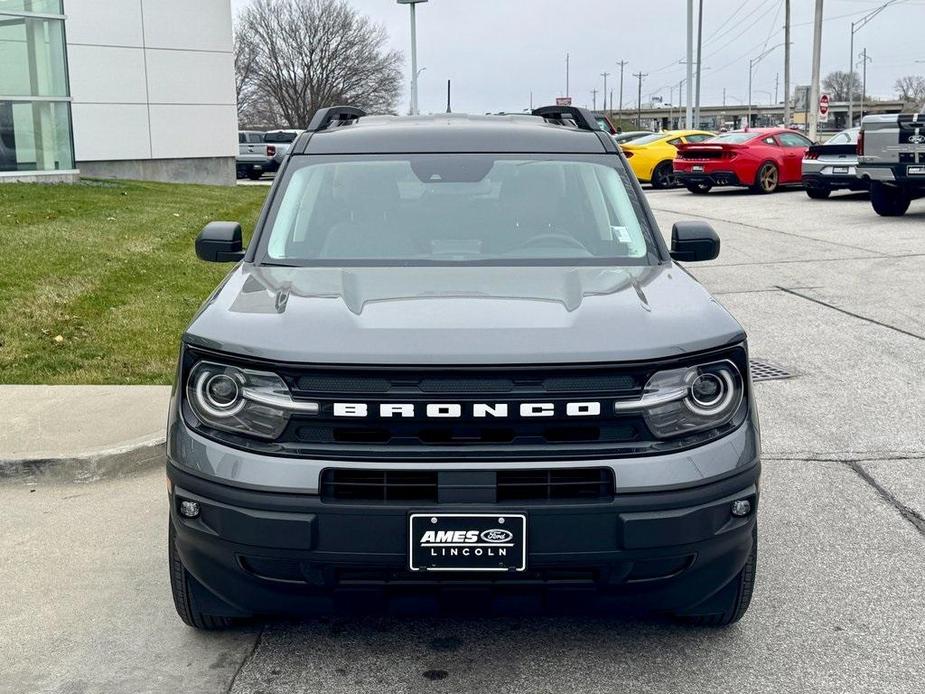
(220, 242)
(693, 241)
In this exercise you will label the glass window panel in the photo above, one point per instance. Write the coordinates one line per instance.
(32, 56)
(38, 6)
(35, 136)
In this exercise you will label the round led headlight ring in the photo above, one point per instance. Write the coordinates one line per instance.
(711, 392)
(218, 394)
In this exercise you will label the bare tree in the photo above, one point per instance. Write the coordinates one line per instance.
(838, 85)
(296, 56)
(911, 89)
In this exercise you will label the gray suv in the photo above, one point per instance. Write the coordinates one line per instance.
(457, 354)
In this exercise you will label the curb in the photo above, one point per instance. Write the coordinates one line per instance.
(92, 466)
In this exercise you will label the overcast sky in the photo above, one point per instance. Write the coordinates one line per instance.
(497, 51)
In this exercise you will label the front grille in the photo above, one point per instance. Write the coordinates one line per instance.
(431, 486)
(379, 485)
(480, 411)
(558, 484)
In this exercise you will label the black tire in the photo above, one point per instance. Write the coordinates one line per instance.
(729, 604)
(767, 180)
(663, 176)
(699, 188)
(818, 193)
(183, 596)
(254, 175)
(888, 201)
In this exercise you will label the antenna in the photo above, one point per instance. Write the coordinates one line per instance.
(448, 109)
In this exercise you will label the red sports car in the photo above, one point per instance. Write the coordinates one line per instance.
(762, 159)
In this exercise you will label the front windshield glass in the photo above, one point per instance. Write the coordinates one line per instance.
(457, 208)
(646, 139)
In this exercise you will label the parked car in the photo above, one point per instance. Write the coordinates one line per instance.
(651, 156)
(431, 369)
(763, 159)
(282, 140)
(622, 138)
(255, 157)
(604, 123)
(833, 166)
(891, 156)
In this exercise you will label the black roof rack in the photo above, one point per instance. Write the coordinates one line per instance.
(582, 117)
(340, 115)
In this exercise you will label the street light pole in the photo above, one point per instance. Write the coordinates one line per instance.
(855, 27)
(414, 55)
(605, 75)
(622, 64)
(751, 66)
(813, 105)
(689, 114)
(639, 76)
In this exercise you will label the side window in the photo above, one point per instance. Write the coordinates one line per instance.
(769, 141)
(242, 138)
(794, 140)
(676, 141)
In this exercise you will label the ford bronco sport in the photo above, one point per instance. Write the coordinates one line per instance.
(458, 353)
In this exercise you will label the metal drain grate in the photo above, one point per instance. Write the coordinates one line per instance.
(766, 371)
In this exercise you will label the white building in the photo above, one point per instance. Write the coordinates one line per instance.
(117, 88)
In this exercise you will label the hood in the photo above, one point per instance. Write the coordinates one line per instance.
(461, 315)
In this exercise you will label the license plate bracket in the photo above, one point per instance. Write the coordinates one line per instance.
(467, 542)
(697, 168)
(840, 170)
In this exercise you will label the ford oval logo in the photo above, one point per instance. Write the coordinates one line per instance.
(917, 139)
(497, 535)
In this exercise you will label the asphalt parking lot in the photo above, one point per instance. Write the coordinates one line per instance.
(826, 289)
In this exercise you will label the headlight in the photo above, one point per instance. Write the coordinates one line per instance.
(229, 398)
(690, 399)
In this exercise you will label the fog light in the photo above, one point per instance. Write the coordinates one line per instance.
(190, 509)
(741, 508)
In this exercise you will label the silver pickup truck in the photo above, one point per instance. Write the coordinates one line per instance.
(255, 156)
(281, 141)
(891, 155)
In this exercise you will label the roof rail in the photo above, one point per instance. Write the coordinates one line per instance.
(340, 115)
(582, 117)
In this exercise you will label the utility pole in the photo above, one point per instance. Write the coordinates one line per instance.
(724, 97)
(622, 64)
(605, 75)
(813, 105)
(611, 101)
(699, 61)
(593, 100)
(776, 86)
(639, 76)
(786, 63)
(855, 26)
(689, 115)
(531, 100)
(864, 60)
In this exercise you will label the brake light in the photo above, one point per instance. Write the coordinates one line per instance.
(811, 155)
(861, 143)
(271, 151)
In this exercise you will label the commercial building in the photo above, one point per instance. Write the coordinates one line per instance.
(117, 88)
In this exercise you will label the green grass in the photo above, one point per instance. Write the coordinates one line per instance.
(98, 280)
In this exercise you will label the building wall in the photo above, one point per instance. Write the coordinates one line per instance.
(152, 87)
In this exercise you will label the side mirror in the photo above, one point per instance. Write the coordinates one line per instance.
(693, 241)
(220, 242)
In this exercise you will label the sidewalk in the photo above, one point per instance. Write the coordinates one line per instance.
(81, 432)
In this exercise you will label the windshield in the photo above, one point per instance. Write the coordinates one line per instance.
(646, 139)
(735, 138)
(457, 208)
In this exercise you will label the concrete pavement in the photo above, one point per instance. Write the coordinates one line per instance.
(824, 288)
(81, 432)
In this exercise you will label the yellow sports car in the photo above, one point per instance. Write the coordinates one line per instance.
(650, 157)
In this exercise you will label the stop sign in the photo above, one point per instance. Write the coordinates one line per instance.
(824, 104)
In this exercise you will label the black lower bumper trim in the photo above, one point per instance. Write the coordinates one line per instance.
(833, 182)
(713, 178)
(264, 552)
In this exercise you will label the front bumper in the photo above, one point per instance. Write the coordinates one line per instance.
(713, 178)
(271, 552)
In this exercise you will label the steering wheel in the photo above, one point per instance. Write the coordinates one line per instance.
(549, 237)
